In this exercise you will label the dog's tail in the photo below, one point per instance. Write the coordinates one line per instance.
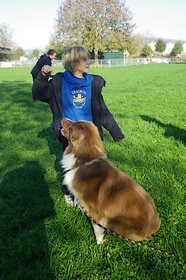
(128, 239)
(125, 238)
(134, 242)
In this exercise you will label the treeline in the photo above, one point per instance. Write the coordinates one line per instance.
(98, 25)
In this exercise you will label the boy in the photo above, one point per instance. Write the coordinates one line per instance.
(45, 59)
(76, 95)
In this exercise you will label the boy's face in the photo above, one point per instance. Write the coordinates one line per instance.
(83, 66)
(52, 56)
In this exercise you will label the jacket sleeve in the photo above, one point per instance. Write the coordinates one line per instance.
(41, 88)
(109, 123)
(105, 118)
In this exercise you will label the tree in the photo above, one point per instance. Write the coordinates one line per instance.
(160, 46)
(132, 46)
(57, 47)
(136, 44)
(177, 49)
(18, 52)
(6, 36)
(141, 41)
(146, 51)
(98, 25)
(35, 53)
(6, 43)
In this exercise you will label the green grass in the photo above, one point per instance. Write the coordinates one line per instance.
(42, 238)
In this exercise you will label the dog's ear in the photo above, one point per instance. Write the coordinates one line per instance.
(65, 122)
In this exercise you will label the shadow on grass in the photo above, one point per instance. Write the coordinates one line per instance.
(170, 130)
(55, 148)
(18, 107)
(25, 204)
(16, 92)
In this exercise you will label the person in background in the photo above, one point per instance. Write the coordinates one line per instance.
(76, 95)
(45, 59)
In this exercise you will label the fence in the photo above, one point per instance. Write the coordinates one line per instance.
(125, 62)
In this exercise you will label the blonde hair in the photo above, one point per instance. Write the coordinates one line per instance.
(73, 56)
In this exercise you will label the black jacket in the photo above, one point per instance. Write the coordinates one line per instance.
(50, 92)
(43, 60)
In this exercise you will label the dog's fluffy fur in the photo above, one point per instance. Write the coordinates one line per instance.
(107, 194)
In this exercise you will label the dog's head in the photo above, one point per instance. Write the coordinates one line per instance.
(83, 137)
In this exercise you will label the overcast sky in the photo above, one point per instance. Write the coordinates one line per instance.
(33, 21)
(160, 18)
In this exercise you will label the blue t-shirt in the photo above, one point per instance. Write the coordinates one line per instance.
(76, 97)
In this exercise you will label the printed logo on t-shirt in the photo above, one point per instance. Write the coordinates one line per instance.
(79, 98)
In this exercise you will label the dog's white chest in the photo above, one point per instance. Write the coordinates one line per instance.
(68, 179)
(67, 162)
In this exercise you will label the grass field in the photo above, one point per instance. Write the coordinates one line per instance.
(40, 236)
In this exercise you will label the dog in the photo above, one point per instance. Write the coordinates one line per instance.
(109, 196)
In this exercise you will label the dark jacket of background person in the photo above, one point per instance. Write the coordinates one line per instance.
(45, 59)
(50, 92)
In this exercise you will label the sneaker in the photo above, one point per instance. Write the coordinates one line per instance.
(69, 199)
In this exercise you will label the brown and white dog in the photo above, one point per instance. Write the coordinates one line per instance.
(107, 194)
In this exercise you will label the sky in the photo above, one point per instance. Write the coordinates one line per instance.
(164, 19)
(33, 21)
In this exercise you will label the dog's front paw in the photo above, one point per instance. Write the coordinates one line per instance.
(100, 240)
(69, 199)
(99, 233)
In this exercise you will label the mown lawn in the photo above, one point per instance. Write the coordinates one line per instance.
(40, 236)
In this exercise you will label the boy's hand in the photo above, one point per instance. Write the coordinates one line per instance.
(46, 70)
